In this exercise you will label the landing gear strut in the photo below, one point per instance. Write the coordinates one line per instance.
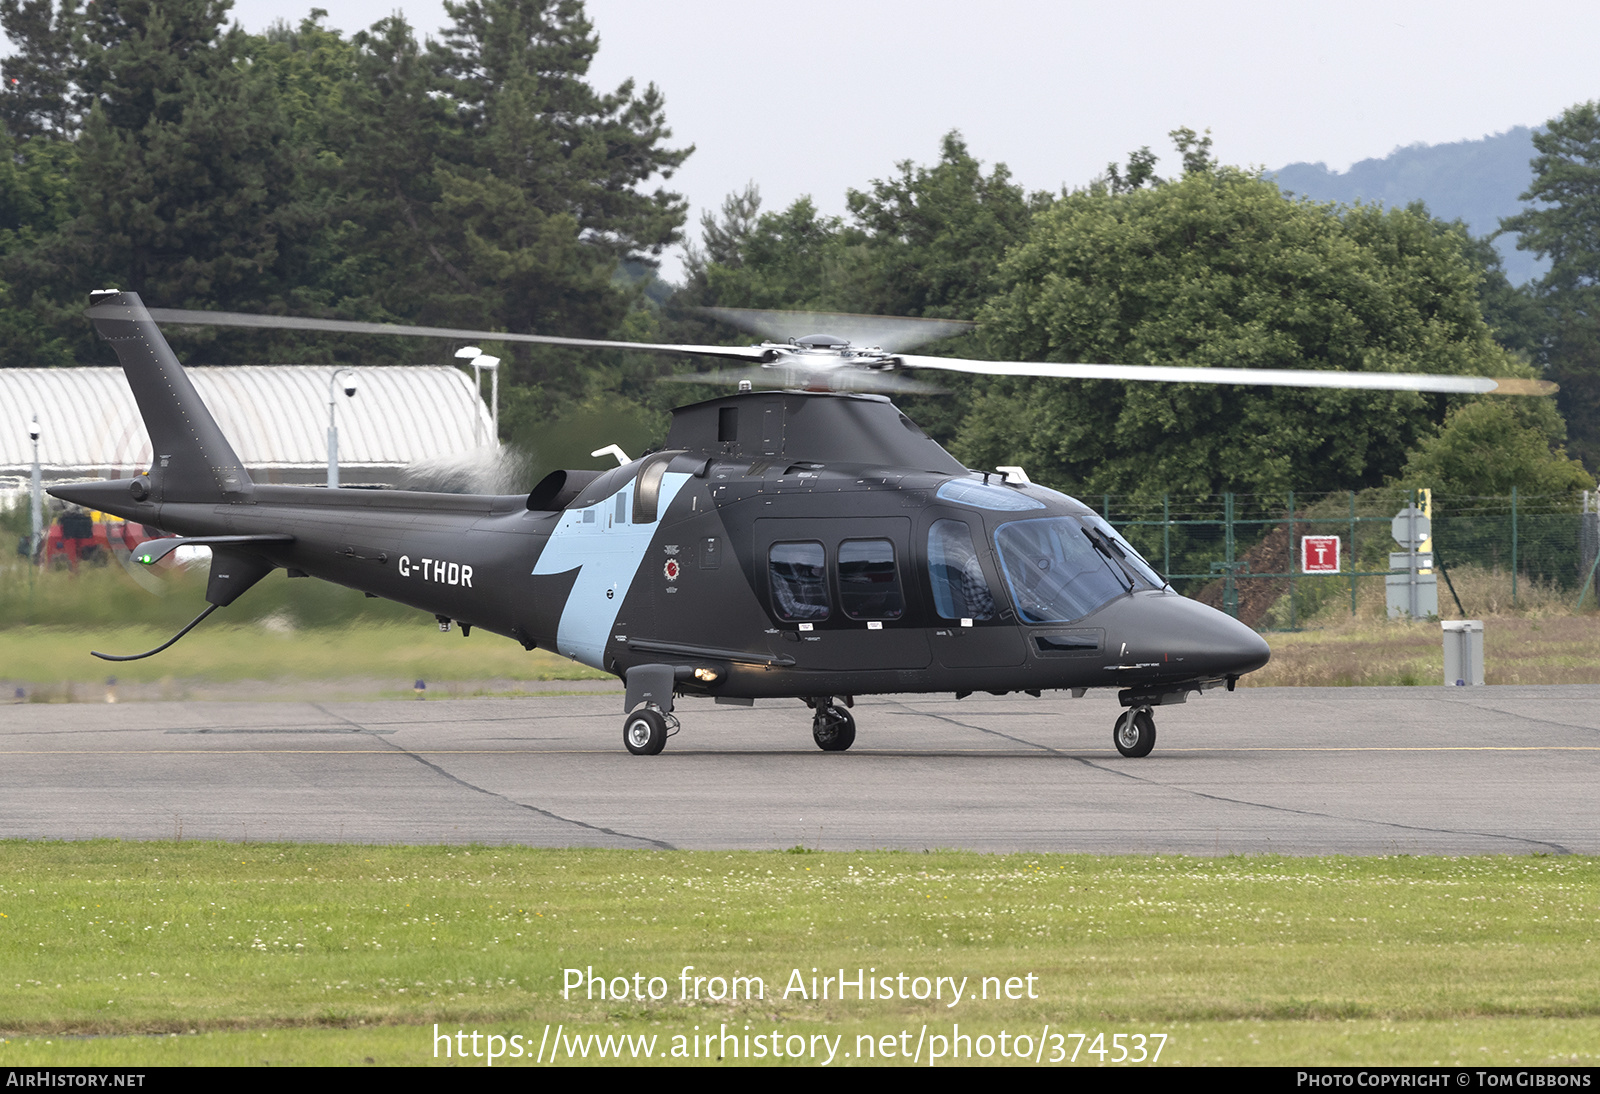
(1135, 732)
(832, 727)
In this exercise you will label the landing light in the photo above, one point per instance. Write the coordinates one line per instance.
(708, 675)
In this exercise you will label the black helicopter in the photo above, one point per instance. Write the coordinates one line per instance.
(810, 542)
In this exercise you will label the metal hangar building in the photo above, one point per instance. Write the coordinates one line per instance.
(276, 416)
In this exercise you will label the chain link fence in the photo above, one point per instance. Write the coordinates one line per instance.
(1242, 553)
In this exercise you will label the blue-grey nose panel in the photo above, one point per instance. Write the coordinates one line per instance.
(1165, 634)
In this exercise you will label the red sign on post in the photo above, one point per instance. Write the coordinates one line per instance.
(1319, 554)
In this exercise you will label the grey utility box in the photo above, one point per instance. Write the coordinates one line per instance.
(1414, 594)
(1463, 652)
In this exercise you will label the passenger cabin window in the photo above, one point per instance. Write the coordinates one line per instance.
(959, 588)
(869, 585)
(798, 573)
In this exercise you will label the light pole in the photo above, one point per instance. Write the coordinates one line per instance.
(333, 429)
(38, 489)
(481, 362)
(492, 366)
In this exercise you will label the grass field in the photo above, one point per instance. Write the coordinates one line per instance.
(43, 659)
(1364, 652)
(1532, 638)
(53, 663)
(150, 953)
(283, 632)
(286, 631)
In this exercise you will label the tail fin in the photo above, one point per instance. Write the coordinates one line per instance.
(193, 461)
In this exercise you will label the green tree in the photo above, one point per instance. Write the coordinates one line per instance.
(794, 260)
(39, 95)
(37, 198)
(1140, 172)
(1515, 315)
(1195, 150)
(518, 72)
(477, 181)
(494, 186)
(724, 237)
(1564, 226)
(924, 242)
(934, 236)
(38, 162)
(1489, 446)
(1219, 268)
(181, 171)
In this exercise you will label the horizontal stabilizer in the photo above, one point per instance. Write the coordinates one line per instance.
(152, 551)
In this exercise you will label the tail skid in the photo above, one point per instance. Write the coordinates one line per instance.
(193, 623)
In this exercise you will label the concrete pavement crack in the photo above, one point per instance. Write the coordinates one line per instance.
(1327, 816)
(1536, 721)
(1558, 848)
(495, 794)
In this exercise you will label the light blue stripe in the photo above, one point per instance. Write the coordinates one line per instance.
(607, 556)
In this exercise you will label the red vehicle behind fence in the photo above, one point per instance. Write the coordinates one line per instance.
(78, 537)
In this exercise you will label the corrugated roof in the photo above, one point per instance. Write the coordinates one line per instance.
(276, 416)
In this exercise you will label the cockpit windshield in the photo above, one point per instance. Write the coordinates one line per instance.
(1060, 569)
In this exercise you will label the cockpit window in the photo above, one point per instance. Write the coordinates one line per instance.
(798, 573)
(959, 588)
(1054, 570)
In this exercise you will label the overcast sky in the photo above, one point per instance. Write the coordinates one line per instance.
(816, 97)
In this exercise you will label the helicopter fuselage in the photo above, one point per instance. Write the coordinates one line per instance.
(760, 567)
(801, 544)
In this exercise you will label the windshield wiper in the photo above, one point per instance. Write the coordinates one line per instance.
(1113, 554)
(1113, 549)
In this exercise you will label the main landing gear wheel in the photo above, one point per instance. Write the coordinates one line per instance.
(1135, 732)
(645, 732)
(833, 728)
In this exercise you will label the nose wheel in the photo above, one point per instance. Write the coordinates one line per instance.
(832, 727)
(1135, 732)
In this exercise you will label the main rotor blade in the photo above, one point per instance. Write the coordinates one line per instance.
(887, 332)
(1273, 377)
(345, 326)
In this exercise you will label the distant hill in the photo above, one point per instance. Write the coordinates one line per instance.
(1474, 181)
